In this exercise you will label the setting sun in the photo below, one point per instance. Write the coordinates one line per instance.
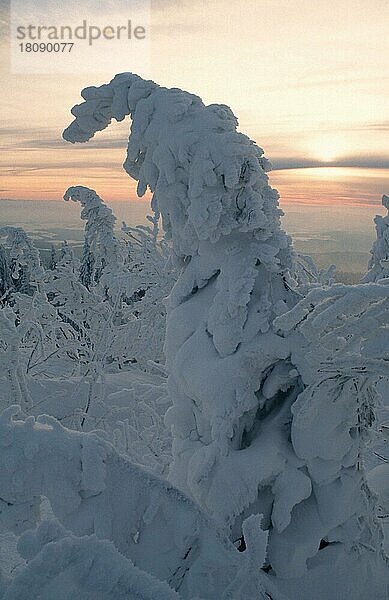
(327, 149)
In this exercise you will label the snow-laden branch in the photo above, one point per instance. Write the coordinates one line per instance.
(79, 567)
(94, 490)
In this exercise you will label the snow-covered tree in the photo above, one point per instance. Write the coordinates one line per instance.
(238, 383)
(378, 476)
(379, 261)
(340, 346)
(53, 260)
(20, 263)
(6, 281)
(60, 330)
(102, 252)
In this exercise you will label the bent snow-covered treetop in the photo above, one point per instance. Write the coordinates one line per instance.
(183, 150)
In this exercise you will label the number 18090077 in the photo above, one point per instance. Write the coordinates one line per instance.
(46, 46)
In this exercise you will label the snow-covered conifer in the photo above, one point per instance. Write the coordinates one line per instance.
(20, 262)
(102, 251)
(379, 261)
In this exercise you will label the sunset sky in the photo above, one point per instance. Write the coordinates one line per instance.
(308, 80)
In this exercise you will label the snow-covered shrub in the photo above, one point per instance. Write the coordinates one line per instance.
(137, 427)
(336, 336)
(11, 366)
(60, 333)
(132, 272)
(306, 275)
(151, 278)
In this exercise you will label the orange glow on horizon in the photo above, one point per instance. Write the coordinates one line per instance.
(330, 186)
(321, 186)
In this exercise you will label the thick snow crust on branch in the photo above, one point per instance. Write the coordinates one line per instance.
(62, 565)
(93, 491)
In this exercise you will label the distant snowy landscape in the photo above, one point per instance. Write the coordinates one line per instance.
(194, 402)
(331, 235)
